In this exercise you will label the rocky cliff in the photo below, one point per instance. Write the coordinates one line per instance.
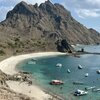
(29, 28)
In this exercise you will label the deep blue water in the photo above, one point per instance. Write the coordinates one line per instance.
(44, 70)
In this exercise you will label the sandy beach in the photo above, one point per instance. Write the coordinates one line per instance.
(8, 66)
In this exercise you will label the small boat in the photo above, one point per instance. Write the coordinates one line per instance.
(90, 88)
(56, 82)
(58, 65)
(68, 70)
(95, 90)
(78, 83)
(80, 67)
(86, 75)
(80, 92)
(98, 71)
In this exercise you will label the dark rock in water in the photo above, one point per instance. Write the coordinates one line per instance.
(82, 50)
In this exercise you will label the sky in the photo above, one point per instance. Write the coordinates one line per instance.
(86, 12)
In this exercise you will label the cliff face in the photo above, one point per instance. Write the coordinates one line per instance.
(32, 27)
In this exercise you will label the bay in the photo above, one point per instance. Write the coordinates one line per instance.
(44, 70)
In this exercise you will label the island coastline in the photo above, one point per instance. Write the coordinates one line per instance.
(8, 66)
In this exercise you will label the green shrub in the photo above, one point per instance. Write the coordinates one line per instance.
(10, 44)
(2, 52)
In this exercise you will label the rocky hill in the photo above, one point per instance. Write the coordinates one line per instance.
(46, 27)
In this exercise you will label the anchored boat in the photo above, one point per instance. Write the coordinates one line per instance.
(90, 88)
(58, 65)
(98, 71)
(95, 90)
(86, 75)
(80, 66)
(80, 92)
(68, 70)
(56, 82)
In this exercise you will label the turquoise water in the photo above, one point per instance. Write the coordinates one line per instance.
(44, 70)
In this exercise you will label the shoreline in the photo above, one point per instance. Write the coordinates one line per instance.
(8, 66)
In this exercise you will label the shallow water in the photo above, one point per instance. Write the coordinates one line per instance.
(44, 70)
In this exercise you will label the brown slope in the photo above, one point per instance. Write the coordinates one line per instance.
(32, 27)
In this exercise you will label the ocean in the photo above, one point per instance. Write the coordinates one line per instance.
(44, 70)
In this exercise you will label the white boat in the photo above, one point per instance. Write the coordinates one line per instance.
(98, 71)
(80, 66)
(80, 92)
(58, 65)
(95, 90)
(90, 88)
(68, 70)
(86, 75)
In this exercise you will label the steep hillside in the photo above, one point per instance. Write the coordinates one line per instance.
(29, 28)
